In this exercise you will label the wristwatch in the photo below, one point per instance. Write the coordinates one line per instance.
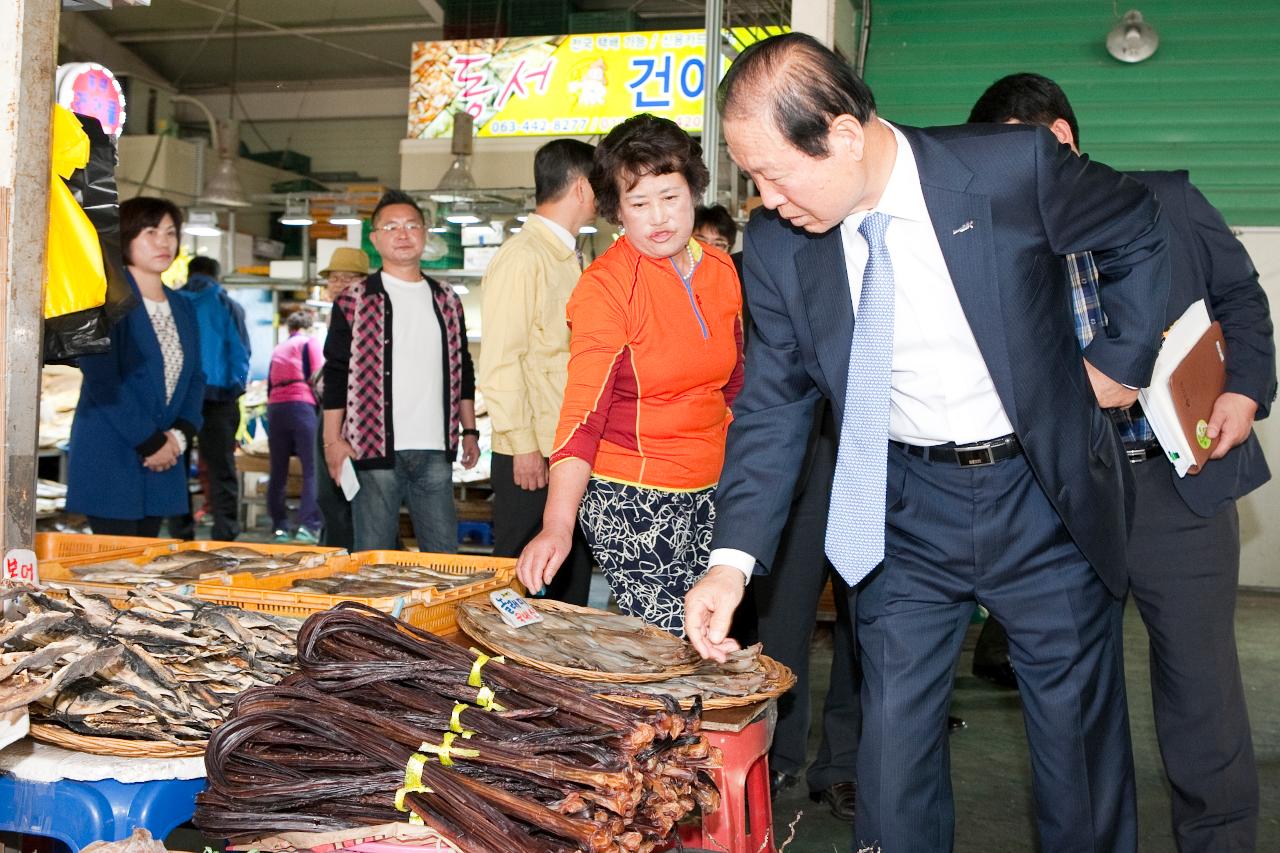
(474, 432)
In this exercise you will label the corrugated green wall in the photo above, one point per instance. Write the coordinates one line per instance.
(1207, 101)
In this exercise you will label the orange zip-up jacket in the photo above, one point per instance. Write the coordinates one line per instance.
(654, 365)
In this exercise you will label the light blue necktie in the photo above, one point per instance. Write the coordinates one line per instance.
(855, 519)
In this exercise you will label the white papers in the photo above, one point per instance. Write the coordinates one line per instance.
(1157, 401)
(350, 483)
(14, 726)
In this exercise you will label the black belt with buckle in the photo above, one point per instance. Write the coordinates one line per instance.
(1142, 454)
(967, 455)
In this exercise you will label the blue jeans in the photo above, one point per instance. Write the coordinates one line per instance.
(424, 480)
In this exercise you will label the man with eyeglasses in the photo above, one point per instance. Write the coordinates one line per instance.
(399, 389)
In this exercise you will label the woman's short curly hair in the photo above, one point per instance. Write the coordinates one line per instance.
(640, 146)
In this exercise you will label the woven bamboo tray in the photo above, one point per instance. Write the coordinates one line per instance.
(779, 679)
(114, 746)
(513, 653)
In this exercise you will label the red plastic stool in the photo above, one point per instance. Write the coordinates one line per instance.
(744, 821)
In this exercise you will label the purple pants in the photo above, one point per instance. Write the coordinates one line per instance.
(291, 431)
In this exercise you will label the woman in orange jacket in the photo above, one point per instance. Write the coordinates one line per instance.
(655, 362)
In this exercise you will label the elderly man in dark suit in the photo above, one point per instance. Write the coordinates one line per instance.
(975, 461)
(1184, 555)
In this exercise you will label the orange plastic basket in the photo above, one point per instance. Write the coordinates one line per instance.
(427, 608)
(72, 549)
(59, 571)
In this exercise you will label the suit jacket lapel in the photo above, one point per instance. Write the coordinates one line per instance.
(824, 282)
(962, 223)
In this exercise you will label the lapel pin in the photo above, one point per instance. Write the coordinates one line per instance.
(965, 227)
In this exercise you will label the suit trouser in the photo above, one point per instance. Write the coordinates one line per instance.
(786, 603)
(217, 442)
(955, 535)
(1183, 572)
(517, 518)
(338, 531)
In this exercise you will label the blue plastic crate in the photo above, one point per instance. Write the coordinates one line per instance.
(80, 813)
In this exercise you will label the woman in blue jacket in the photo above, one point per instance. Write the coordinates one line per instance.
(140, 402)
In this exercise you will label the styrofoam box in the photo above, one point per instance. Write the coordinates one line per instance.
(478, 257)
(289, 269)
(482, 235)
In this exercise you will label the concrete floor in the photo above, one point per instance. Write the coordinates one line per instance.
(990, 766)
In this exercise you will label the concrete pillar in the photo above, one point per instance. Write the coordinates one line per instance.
(816, 18)
(28, 54)
(833, 22)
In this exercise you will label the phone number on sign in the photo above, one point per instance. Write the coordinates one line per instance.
(509, 127)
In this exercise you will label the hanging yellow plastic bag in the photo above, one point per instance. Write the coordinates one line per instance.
(77, 280)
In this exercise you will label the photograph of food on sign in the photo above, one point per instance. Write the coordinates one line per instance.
(567, 84)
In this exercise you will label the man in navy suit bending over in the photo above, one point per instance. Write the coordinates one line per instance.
(913, 277)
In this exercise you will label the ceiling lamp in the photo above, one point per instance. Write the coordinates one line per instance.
(297, 211)
(344, 214)
(588, 229)
(457, 179)
(462, 217)
(222, 188)
(1132, 39)
(202, 223)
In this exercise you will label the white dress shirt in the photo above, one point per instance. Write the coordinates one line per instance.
(941, 389)
(558, 230)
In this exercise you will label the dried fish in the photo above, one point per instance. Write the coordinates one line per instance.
(168, 570)
(386, 579)
(581, 639)
(166, 668)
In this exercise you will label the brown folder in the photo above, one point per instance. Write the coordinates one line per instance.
(1195, 385)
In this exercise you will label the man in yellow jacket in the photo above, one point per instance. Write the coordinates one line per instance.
(525, 353)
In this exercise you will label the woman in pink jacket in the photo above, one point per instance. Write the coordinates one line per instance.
(292, 420)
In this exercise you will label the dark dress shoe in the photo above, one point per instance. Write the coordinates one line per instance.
(999, 674)
(842, 798)
(955, 723)
(779, 782)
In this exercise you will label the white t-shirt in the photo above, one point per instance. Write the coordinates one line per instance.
(417, 379)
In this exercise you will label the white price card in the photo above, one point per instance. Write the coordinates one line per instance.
(20, 566)
(515, 611)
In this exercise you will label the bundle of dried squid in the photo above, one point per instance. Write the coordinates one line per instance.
(383, 721)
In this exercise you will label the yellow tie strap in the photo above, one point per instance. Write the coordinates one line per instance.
(484, 698)
(455, 721)
(412, 785)
(446, 750)
(481, 659)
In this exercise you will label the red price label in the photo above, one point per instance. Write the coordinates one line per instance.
(20, 566)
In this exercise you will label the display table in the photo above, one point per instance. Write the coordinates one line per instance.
(96, 805)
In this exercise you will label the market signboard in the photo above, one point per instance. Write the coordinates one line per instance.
(556, 85)
(90, 89)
